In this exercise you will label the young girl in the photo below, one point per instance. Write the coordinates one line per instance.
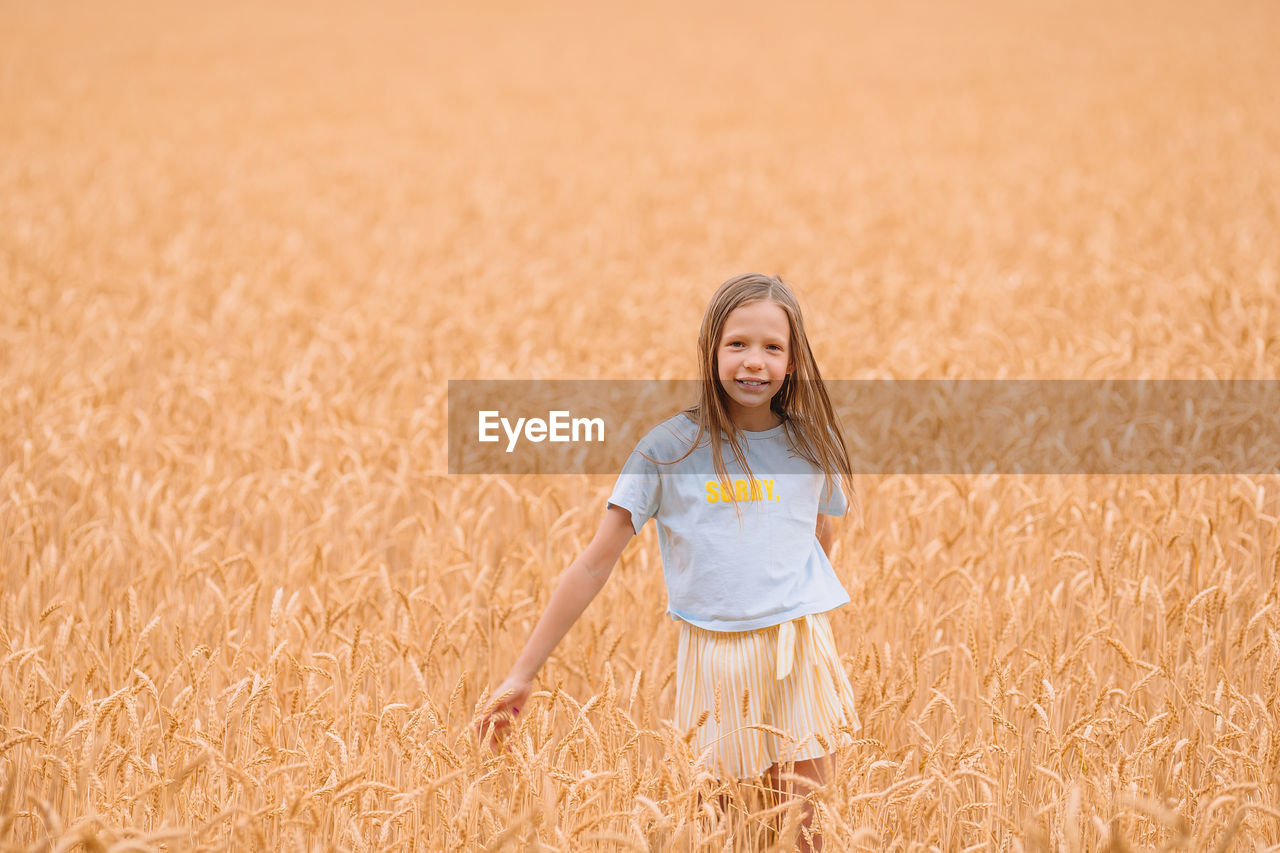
(745, 538)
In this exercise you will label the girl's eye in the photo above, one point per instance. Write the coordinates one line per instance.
(775, 347)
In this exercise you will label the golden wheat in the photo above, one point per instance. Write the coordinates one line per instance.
(242, 249)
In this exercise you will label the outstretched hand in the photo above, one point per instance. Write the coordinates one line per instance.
(500, 713)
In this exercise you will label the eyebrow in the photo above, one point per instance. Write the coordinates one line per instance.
(728, 335)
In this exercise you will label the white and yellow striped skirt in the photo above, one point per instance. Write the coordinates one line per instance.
(757, 698)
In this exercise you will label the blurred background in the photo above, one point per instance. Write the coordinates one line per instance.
(1025, 189)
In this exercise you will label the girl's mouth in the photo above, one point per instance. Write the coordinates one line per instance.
(752, 384)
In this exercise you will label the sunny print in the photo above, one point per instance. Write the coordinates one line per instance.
(741, 490)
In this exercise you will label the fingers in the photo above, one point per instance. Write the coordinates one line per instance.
(497, 719)
(495, 715)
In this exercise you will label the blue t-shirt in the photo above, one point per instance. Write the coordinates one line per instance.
(734, 565)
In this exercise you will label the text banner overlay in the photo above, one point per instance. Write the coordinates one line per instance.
(1164, 426)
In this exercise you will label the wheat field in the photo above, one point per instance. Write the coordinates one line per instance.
(244, 246)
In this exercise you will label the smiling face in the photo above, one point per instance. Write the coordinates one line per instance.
(753, 359)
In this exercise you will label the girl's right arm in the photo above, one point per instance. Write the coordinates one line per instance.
(581, 581)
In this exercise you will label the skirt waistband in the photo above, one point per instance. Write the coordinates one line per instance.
(787, 643)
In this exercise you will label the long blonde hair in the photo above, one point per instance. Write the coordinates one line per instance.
(802, 403)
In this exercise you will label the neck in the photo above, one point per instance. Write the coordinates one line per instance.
(754, 420)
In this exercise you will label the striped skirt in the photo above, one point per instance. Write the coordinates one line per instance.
(757, 698)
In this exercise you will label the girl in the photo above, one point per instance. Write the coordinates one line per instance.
(744, 544)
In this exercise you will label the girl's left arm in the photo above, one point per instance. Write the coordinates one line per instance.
(826, 531)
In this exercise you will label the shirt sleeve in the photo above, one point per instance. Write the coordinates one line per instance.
(638, 489)
(833, 501)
